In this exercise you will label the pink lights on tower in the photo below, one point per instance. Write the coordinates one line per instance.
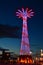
(24, 14)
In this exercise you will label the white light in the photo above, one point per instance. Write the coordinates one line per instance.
(30, 52)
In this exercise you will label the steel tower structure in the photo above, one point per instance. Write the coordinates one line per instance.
(24, 14)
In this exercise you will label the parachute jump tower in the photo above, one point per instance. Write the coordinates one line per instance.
(25, 45)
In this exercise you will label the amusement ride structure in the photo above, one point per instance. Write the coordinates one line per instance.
(25, 45)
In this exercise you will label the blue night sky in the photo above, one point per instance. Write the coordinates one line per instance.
(8, 17)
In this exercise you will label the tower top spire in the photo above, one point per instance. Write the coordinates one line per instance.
(24, 13)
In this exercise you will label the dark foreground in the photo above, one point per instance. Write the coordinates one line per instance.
(17, 64)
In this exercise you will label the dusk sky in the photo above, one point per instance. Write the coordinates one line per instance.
(8, 18)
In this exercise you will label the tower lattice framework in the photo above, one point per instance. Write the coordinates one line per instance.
(25, 45)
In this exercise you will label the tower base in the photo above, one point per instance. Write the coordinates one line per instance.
(25, 59)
